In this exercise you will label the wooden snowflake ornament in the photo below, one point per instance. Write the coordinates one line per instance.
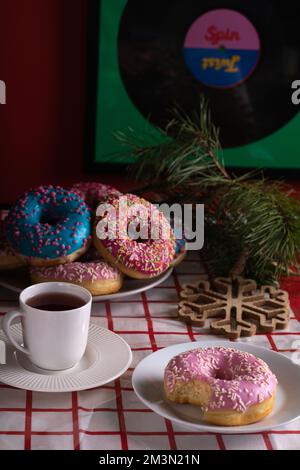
(237, 306)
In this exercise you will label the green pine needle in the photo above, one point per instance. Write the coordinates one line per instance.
(246, 214)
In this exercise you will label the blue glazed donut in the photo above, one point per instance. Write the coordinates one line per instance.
(180, 246)
(49, 225)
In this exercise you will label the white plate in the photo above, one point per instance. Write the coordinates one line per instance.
(148, 385)
(107, 356)
(19, 279)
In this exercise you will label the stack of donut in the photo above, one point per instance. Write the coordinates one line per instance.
(54, 231)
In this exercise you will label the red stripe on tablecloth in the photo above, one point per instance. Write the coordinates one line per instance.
(110, 323)
(169, 425)
(220, 442)
(268, 443)
(12, 409)
(152, 333)
(75, 419)
(171, 435)
(100, 433)
(121, 417)
(282, 333)
(178, 289)
(52, 433)
(272, 342)
(149, 322)
(111, 387)
(28, 420)
(69, 410)
(140, 317)
(198, 333)
(118, 390)
(190, 332)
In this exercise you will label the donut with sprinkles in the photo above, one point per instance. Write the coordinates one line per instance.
(93, 193)
(97, 276)
(232, 387)
(49, 225)
(136, 237)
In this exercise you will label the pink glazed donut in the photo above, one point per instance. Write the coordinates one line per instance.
(137, 258)
(98, 277)
(232, 387)
(93, 193)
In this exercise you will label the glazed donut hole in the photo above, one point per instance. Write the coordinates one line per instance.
(224, 375)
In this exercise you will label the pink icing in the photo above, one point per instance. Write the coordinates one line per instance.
(152, 256)
(93, 193)
(238, 379)
(78, 272)
(222, 27)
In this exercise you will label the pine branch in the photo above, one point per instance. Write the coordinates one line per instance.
(265, 219)
(200, 130)
(244, 215)
(189, 150)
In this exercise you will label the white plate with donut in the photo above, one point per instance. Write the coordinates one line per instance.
(19, 279)
(148, 383)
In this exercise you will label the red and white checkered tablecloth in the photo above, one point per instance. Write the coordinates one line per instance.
(112, 417)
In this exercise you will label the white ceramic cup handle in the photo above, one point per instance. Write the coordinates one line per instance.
(6, 323)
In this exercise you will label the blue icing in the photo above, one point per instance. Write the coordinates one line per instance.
(48, 222)
(179, 242)
(221, 68)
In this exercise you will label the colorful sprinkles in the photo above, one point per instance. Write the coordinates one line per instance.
(77, 272)
(93, 193)
(151, 256)
(238, 379)
(48, 222)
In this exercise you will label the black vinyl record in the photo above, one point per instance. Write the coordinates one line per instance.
(154, 62)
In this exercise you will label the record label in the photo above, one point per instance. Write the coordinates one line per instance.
(222, 48)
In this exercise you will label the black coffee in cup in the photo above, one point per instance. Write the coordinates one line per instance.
(55, 302)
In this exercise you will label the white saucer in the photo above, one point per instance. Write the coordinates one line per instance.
(148, 376)
(19, 279)
(107, 356)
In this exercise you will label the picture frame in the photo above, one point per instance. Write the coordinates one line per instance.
(111, 109)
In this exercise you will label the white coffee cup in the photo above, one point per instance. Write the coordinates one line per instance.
(54, 340)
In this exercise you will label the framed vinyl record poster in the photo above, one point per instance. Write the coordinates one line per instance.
(149, 56)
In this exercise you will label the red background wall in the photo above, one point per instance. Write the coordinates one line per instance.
(43, 63)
